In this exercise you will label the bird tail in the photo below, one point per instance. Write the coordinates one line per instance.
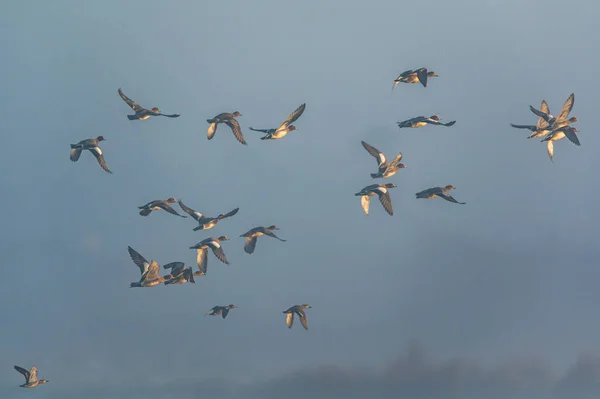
(145, 212)
(131, 117)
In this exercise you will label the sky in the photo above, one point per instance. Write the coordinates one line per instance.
(496, 298)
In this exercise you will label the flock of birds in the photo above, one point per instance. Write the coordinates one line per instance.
(548, 127)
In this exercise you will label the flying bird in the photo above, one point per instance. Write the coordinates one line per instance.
(202, 250)
(253, 234)
(284, 128)
(205, 222)
(179, 274)
(410, 76)
(298, 310)
(157, 205)
(559, 134)
(564, 112)
(228, 119)
(421, 121)
(92, 146)
(148, 270)
(441, 192)
(220, 310)
(142, 113)
(384, 196)
(385, 169)
(31, 380)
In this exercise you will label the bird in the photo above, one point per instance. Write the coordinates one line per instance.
(92, 146)
(202, 248)
(253, 234)
(142, 113)
(385, 169)
(284, 128)
(441, 192)
(542, 128)
(558, 134)
(296, 309)
(179, 274)
(228, 119)
(564, 112)
(421, 121)
(220, 310)
(204, 222)
(149, 270)
(410, 76)
(384, 196)
(159, 204)
(31, 380)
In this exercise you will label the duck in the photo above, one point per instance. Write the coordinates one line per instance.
(421, 121)
(410, 76)
(284, 128)
(564, 112)
(204, 222)
(157, 205)
(441, 192)
(149, 270)
(227, 118)
(384, 196)
(31, 380)
(253, 234)
(542, 128)
(202, 248)
(299, 310)
(559, 134)
(92, 146)
(385, 169)
(179, 274)
(220, 310)
(142, 113)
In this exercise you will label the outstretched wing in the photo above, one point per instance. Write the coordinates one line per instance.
(289, 319)
(138, 259)
(566, 109)
(250, 244)
(365, 200)
(135, 106)
(237, 130)
(23, 371)
(422, 75)
(303, 319)
(195, 214)
(449, 198)
(220, 254)
(381, 160)
(168, 208)
(386, 200)
(570, 133)
(293, 116)
(153, 270)
(541, 123)
(100, 158)
(271, 234)
(202, 259)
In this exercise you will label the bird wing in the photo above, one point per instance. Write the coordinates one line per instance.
(75, 154)
(153, 270)
(570, 133)
(195, 214)
(365, 200)
(169, 115)
(23, 371)
(100, 158)
(224, 312)
(381, 160)
(230, 213)
(202, 259)
(135, 106)
(566, 109)
(289, 319)
(395, 161)
(293, 117)
(176, 268)
(271, 234)
(541, 123)
(169, 209)
(212, 129)
(422, 75)
(250, 244)
(303, 319)
(139, 260)
(449, 198)
(385, 199)
(220, 254)
(529, 127)
(236, 129)
(541, 114)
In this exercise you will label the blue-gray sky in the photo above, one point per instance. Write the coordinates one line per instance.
(512, 275)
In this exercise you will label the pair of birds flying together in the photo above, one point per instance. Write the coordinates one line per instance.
(296, 310)
(149, 272)
(270, 134)
(553, 128)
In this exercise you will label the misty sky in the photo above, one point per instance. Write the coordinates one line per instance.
(509, 278)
